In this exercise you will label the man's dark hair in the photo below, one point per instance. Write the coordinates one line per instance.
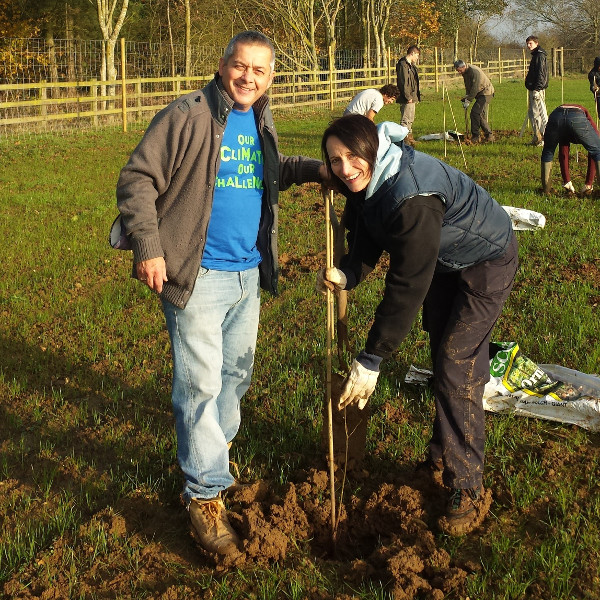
(390, 90)
(532, 38)
(253, 38)
(358, 134)
(412, 49)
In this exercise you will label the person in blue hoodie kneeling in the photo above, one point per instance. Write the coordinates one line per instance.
(453, 251)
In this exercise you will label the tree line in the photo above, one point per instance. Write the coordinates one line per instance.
(302, 30)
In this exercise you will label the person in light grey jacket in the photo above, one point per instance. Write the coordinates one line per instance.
(479, 89)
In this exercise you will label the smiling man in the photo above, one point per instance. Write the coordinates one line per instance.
(198, 199)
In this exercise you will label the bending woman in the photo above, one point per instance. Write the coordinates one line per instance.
(452, 249)
(570, 124)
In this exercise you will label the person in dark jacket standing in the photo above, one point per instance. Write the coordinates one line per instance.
(451, 249)
(407, 80)
(594, 79)
(198, 199)
(536, 82)
(479, 88)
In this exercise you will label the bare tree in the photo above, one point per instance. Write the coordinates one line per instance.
(480, 12)
(110, 28)
(455, 13)
(575, 22)
(380, 17)
(365, 20)
(300, 18)
(171, 45)
(188, 38)
(331, 9)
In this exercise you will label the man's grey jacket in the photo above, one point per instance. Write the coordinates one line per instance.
(165, 191)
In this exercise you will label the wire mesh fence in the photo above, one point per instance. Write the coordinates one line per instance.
(58, 85)
(34, 60)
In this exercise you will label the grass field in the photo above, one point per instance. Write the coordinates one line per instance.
(89, 481)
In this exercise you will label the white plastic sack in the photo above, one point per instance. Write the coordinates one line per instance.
(450, 136)
(524, 219)
(520, 386)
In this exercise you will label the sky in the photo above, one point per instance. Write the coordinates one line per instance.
(505, 30)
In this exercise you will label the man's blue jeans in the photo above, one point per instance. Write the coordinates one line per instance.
(213, 340)
(569, 126)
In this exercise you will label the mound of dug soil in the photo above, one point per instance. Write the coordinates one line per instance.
(381, 534)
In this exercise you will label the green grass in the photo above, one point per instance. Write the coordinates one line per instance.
(85, 415)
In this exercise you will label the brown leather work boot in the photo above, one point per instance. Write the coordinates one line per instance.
(210, 526)
(466, 510)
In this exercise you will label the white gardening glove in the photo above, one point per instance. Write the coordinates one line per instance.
(466, 103)
(332, 279)
(359, 385)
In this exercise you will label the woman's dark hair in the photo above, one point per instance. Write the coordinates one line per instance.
(358, 134)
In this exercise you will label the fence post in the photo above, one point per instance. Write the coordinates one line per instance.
(435, 72)
(562, 74)
(331, 65)
(524, 65)
(294, 86)
(94, 91)
(138, 93)
(43, 97)
(499, 64)
(123, 86)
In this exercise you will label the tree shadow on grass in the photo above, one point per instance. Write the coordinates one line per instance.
(74, 431)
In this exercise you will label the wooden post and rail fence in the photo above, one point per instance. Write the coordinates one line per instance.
(93, 102)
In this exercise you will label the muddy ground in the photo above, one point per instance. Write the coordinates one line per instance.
(386, 533)
(139, 546)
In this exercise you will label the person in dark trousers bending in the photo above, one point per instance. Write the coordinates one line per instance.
(594, 79)
(536, 81)
(570, 124)
(407, 79)
(452, 250)
(198, 198)
(479, 88)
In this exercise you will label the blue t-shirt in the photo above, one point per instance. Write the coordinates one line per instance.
(235, 217)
